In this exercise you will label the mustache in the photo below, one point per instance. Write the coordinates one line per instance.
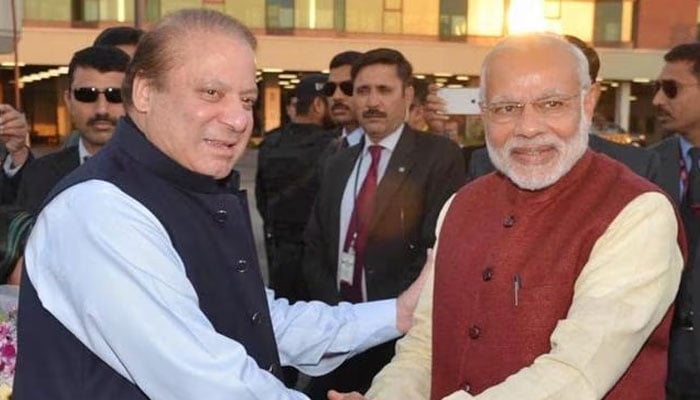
(661, 112)
(102, 118)
(372, 113)
(340, 106)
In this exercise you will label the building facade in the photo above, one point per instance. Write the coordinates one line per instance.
(445, 40)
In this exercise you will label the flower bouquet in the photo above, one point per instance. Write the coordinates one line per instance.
(8, 339)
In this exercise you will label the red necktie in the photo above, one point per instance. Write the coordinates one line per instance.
(358, 228)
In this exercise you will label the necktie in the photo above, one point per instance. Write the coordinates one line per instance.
(358, 228)
(693, 191)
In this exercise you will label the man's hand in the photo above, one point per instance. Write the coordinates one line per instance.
(407, 301)
(435, 109)
(333, 395)
(14, 132)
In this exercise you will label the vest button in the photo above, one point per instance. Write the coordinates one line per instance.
(509, 221)
(487, 274)
(474, 332)
(256, 318)
(241, 265)
(466, 387)
(220, 216)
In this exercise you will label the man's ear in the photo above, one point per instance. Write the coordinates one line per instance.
(141, 92)
(319, 105)
(408, 94)
(590, 100)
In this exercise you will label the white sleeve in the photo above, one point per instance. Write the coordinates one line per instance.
(104, 266)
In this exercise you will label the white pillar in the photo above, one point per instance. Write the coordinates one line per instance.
(622, 105)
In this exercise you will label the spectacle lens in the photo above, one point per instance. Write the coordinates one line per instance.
(90, 94)
(330, 87)
(669, 87)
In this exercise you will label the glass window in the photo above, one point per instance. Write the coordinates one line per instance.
(116, 10)
(41, 10)
(314, 14)
(250, 12)
(174, 5)
(280, 14)
(576, 18)
(453, 18)
(612, 21)
(364, 15)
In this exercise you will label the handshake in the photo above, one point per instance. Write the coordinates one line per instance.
(333, 395)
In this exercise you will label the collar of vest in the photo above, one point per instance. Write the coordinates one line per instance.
(572, 178)
(129, 136)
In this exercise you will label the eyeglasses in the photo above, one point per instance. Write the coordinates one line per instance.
(670, 87)
(90, 94)
(509, 111)
(329, 88)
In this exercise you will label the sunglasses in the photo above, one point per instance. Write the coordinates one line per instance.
(670, 87)
(329, 88)
(90, 94)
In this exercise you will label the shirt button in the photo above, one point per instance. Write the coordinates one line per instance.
(474, 332)
(221, 216)
(509, 221)
(241, 265)
(256, 318)
(487, 274)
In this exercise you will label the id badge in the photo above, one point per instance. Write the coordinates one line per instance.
(347, 266)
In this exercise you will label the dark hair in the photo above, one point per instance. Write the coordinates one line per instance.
(15, 225)
(386, 57)
(101, 58)
(345, 58)
(689, 52)
(159, 49)
(118, 36)
(589, 52)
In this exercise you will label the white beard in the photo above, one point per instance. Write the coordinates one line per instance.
(536, 177)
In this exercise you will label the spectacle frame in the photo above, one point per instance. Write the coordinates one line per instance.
(330, 87)
(90, 94)
(509, 111)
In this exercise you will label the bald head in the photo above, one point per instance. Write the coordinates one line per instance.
(535, 48)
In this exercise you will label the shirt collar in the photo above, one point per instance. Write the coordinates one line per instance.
(685, 146)
(389, 142)
(83, 154)
(353, 137)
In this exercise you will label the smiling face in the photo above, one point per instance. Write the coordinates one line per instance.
(381, 100)
(537, 146)
(203, 116)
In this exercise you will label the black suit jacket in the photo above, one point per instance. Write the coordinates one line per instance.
(43, 174)
(643, 162)
(424, 170)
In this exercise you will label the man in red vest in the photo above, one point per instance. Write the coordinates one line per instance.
(554, 275)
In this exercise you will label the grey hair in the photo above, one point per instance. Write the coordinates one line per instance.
(528, 42)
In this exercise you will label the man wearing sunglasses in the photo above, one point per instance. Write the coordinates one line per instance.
(94, 102)
(677, 103)
(338, 91)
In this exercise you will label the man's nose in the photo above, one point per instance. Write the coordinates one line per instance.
(530, 122)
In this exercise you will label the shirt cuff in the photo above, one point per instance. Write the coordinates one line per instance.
(7, 167)
(373, 317)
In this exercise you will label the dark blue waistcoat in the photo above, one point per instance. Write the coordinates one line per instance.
(209, 225)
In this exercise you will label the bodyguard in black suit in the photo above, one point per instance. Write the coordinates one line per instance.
(643, 162)
(676, 101)
(93, 99)
(417, 175)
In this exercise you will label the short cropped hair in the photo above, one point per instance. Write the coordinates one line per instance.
(101, 58)
(345, 58)
(689, 52)
(385, 56)
(159, 49)
(119, 36)
(590, 53)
